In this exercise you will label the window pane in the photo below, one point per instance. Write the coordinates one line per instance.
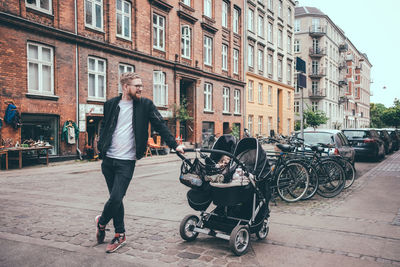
(44, 4)
(100, 66)
(89, 12)
(33, 52)
(98, 16)
(126, 26)
(92, 64)
(33, 76)
(46, 78)
(101, 86)
(119, 5)
(119, 24)
(126, 8)
(46, 54)
(91, 84)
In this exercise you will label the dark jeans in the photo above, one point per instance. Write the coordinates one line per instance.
(118, 174)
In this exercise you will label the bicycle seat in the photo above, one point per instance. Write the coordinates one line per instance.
(286, 148)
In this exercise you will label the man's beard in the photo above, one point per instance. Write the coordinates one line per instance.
(135, 96)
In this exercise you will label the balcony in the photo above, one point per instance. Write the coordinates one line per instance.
(342, 100)
(317, 31)
(317, 73)
(317, 52)
(343, 82)
(342, 65)
(343, 47)
(349, 57)
(317, 93)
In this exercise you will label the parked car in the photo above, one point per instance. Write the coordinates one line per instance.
(366, 143)
(339, 142)
(383, 134)
(395, 135)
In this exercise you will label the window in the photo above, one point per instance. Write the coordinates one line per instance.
(225, 97)
(40, 69)
(97, 78)
(124, 19)
(250, 20)
(314, 87)
(236, 99)
(289, 73)
(260, 60)
(235, 61)
(288, 126)
(280, 36)
(185, 41)
(270, 66)
(280, 69)
(186, 2)
(224, 57)
(260, 124)
(296, 25)
(260, 26)
(250, 124)
(270, 33)
(160, 89)
(270, 4)
(289, 44)
(158, 32)
(250, 91)
(289, 16)
(269, 125)
(208, 97)
(236, 20)
(296, 46)
(296, 106)
(122, 68)
(225, 14)
(94, 14)
(280, 8)
(208, 47)
(314, 106)
(289, 100)
(208, 8)
(269, 95)
(250, 54)
(260, 93)
(41, 5)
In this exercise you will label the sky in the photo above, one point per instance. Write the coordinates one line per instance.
(373, 26)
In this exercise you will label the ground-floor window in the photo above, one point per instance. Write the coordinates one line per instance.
(208, 134)
(41, 128)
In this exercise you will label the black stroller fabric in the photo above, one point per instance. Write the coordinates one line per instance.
(226, 143)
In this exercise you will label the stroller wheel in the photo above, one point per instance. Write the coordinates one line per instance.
(263, 232)
(186, 228)
(239, 240)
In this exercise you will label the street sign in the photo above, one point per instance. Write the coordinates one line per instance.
(300, 65)
(301, 80)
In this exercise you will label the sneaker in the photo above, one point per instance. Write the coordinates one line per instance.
(100, 230)
(117, 242)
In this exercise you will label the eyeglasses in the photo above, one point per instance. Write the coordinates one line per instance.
(136, 85)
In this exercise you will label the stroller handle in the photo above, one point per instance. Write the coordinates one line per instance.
(209, 151)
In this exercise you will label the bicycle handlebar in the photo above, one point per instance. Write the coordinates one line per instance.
(209, 151)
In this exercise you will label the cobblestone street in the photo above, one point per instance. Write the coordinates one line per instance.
(51, 210)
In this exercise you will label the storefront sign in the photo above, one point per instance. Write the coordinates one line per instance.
(166, 113)
(88, 109)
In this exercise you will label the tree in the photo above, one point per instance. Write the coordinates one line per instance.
(315, 118)
(391, 116)
(235, 131)
(181, 113)
(376, 112)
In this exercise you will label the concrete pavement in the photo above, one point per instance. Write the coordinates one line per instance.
(47, 220)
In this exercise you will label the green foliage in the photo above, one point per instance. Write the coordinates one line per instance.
(315, 118)
(376, 111)
(181, 112)
(297, 125)
(235, 131)
(391, 116)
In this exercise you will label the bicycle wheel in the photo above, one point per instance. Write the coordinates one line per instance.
(292, 181)
(313, 183)
(350, 173)
(331, 178)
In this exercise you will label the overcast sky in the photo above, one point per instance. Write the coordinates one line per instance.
(374, 28)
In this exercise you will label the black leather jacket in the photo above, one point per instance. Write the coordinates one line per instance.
(144, 111)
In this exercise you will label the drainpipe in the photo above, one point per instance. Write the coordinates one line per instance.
(244, 62)
(77, 78)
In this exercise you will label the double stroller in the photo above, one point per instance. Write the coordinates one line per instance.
(233, 176)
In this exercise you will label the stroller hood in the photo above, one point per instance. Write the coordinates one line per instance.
(226, 143)
(250, 152)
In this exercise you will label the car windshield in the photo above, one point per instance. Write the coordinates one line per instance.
(314, 138)
(356, 134)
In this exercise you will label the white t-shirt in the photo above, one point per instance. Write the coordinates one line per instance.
(123, 140)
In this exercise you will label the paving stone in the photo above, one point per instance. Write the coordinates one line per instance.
(206, 258)
(168, 259)
(188, 255)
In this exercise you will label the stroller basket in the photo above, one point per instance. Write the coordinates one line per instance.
(230, 195)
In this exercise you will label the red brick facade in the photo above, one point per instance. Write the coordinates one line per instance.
(20, 24)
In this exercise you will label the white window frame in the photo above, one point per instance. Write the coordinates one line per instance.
(186, 2)
(40, 62)
(250, 56)
(289, 44)
(236, 14)
(289, 73)
(269, 126)
(270, 5)
(280, 8)
(296, 107)
(235, 61)
(280, 37)
(160, 89)
(297, 25)
(236, 100)
(159, 32)
(226, 99)
(260, 124)
(224, 15)
(296, 46)
(121, 12)
(97, 73)
(208, 8)
(250, 88)
(94, 3)
(250, 20)
(260, 93)
(186, 47)
(270, 33)
(37, 6)
(269, 95)
(270, 60)
(250, 123)
(260, 60)
(208, 96)
(280, 69)
(208, 50)
(260, 26)
(125, 68)
(289, 99)
(289, 16)
(224, 57)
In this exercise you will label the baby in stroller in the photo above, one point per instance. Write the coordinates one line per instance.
(234, 179)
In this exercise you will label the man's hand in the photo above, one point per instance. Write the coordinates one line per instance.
(180, 149)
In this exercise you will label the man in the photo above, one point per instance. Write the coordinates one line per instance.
(123, 140)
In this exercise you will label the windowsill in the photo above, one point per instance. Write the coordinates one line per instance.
(207, 65)
(41, 11)
(42, 96)
(160, 106)
(208, 111)
(161, 50)
(94, 29)
(237, 114)
(226, 113)
(96, 100)
(123, 38)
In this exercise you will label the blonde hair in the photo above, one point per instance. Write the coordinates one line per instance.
(126, 77)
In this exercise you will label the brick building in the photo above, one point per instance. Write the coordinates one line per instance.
(61, 61)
